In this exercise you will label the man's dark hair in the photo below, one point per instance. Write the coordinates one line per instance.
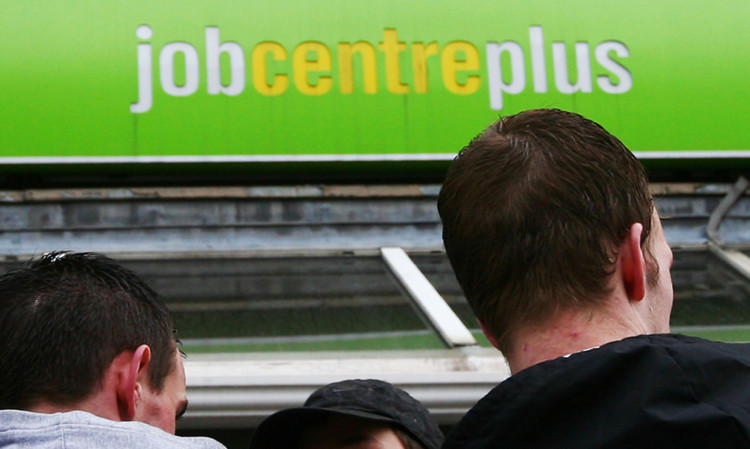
(64, 317)
(534, 210)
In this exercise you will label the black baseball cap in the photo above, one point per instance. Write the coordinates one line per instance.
(369, 399)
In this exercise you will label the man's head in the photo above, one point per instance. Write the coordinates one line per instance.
(351, 414)
(534, 211)
(67, 320)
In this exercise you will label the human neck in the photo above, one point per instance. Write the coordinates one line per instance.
(567, 333)
(96, 404)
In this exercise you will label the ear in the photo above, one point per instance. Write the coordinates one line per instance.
(633, 263)
(129, 388)
(489, 335)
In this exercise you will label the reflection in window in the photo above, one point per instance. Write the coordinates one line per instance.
(287, 304)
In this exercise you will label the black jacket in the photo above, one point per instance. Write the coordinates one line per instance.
(650, 391)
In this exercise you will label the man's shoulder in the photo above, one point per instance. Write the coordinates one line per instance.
(82, 430)
(633, 361)
(671, 383)
(681, 349)
(677, 341)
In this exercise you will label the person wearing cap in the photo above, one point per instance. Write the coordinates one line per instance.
(351, 414)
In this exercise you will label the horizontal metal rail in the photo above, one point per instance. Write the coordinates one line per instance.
(240, 390)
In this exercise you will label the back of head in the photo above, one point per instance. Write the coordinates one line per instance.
(533, 211)
(64, 317)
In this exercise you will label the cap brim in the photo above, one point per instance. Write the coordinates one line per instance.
(282, 429)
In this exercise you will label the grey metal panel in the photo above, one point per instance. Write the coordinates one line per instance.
(294, 218)
(191, 240)
(221, 219)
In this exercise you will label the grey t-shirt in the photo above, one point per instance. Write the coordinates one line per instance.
(82, 430)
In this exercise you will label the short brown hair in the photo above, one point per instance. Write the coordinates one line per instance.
(65, 316)
(533, 211)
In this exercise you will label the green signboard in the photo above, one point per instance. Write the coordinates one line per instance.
(138, 81)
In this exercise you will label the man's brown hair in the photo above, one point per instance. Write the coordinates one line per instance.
(533, 211)
(64, 317)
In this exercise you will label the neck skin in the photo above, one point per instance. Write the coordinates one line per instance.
(633, 307)
(100, 404)
(573, 331)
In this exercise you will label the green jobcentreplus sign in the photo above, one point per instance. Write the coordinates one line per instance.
(349, 80)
